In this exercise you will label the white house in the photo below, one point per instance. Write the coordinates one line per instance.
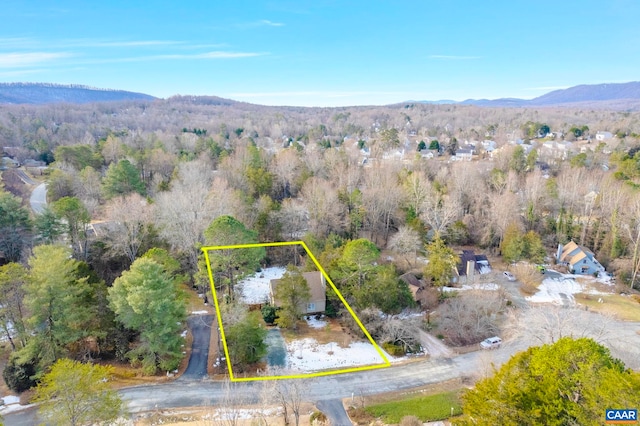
(601, 136)
(463, 154)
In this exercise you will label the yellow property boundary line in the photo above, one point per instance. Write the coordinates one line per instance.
(326, 276)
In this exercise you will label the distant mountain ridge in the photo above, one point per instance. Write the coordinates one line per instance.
(46, 93)
(620, 95)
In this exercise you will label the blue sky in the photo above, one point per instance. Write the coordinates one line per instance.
(322, 52)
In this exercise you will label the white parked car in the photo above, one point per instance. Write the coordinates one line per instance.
(508, 275)
(491, 343)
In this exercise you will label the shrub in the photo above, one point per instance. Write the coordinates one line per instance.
(318, 417)
(18, 374)
(410, 421)
(393, 349)
(269, 314)
(529, 276)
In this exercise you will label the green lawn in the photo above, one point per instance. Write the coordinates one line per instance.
(426, 408)
(623, 307)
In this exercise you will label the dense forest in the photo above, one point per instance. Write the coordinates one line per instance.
(135, 189)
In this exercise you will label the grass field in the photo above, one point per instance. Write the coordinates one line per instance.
(426, 408)
(624, 308)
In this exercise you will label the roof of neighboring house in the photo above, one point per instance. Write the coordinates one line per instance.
(415, 285)
(463, 151)
(411, 280)
(480, 260)
(568, 248)
(572, 253)
(577, 257)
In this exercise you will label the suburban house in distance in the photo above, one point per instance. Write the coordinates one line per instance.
(603, 136)
(579, 259)
(471, 264)
(317, 288)
(416, 286)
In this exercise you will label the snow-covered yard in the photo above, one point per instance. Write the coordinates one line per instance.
(307, 355)
(561, 291)
(255, 289)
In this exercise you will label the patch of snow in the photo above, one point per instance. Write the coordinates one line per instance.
(11, 399)
(242, 413)
(199, 312)
(255, 289)
(605, 278)
(406, 314)
(12, 404)
(557, 291)
(561, 290)
(307, 355)
(487, 286)
(314, 323)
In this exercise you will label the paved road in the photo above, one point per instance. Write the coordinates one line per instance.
(38, 198)
(200, 326)
(408, 376)
(434, 347)
(334, 410)
(25, 178)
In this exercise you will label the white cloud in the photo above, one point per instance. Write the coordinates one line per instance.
(19, 73)
(17, 43)
(220, 55)
(131, 43)
(260, 23)
(170, 57)
(271, 23)
(17, 60)
(454, 57)
(179, 56)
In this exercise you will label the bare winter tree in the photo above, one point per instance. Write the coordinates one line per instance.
(185, 211)
(288, 394)
(381, 197)
(287, 166)
(402, 332)
(503, 209)
(439, 210)
(416, 191)
(343, 166)
(407, 243)
(471, 316)
(129, 218)
(548, 324)
(232, 408)
(88, 188)
(294, 219)
(611, 201)
(631, 226)
(321, 202)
